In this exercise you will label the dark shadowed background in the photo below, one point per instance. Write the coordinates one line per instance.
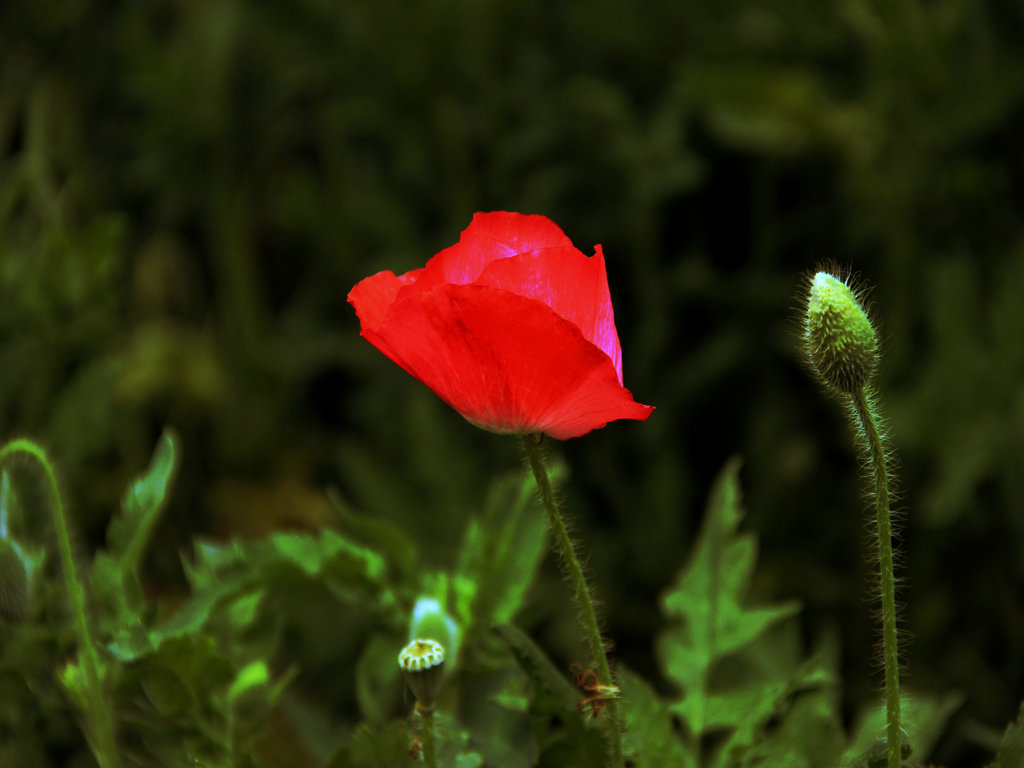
(189, 189)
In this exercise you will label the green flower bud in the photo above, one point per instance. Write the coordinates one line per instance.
(422, 661)
(840, 339)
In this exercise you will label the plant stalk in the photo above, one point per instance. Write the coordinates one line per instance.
(427, 737)
(581, 593)
(887, 582)
(103, 741)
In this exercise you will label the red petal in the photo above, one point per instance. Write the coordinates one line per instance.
(573, 285)
(374, 295)
(492, 236)
(505, 362)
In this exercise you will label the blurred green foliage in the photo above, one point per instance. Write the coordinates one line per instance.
(189, 189)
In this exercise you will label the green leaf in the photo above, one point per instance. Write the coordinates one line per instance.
(923, 720)
(244, 610)
(650, 737)
(378, 678)
(809, 735)
(250, 681)
(328, 553)
(708, 598)
(165, 691)
(386, 747)
(130, 531)
(501, 552)
(118, 601)
(1011, 750)
(382, 536)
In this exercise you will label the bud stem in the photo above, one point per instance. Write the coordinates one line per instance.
(581, 593)
(865, 416)
(426, 718)
(102, 739)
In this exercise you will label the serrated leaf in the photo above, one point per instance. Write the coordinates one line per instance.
(757, 686)
(382, 536)
(129, 532)
(809, 735)
(328, 554)
(650, 737)
(709, 598)
(118, 600)
(197, 611)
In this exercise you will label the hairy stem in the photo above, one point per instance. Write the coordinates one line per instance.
(427, 737)
(890, 639)
(581, 593)
(103, 741)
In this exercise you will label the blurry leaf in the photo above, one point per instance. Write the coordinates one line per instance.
(708, 597)
(211, 559)
(166, 692)
(809, 735)
(386, 747)
(191, 617)
(243, 610)
(453, 747)
(327, 552)
(538, 667)
(114, 582)
(923, 720)
(129, 532)
(1011, 750)
(754, 688)
(117, 600)
(73, 678)
(379, 683)
(250, 681)
(501, 551)
(383, 536)
(650, 736)
(14, 579)
(226, 572)
(20, 564)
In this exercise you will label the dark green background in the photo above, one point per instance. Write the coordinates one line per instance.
(189, 189)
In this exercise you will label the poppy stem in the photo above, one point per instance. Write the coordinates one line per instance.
(581, 593)
(878, 464)
(98, 714)
(426, 718)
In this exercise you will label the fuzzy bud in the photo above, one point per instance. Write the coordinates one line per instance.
(840, 339)
(422, 661)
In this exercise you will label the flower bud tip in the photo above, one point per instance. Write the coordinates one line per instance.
(841, 342)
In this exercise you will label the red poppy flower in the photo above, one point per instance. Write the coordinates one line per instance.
(512, 327)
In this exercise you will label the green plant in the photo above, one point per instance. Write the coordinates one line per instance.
(842, 349)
